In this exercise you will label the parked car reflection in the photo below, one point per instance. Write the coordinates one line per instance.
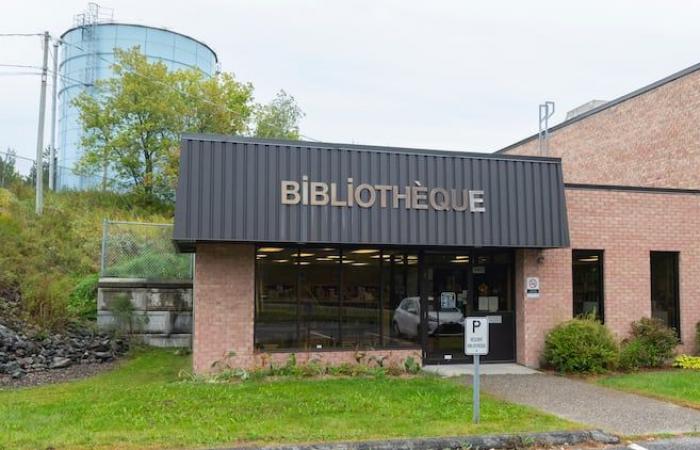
(406, 321)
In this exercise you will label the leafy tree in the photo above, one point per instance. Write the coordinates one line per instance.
(8, 170)
(132, 122)
(279, 119)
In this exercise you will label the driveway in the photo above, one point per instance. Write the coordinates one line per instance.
(613, 411)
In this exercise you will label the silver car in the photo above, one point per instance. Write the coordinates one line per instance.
(406, 321)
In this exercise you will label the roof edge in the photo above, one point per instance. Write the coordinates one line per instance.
(610, 104)
(378, 148)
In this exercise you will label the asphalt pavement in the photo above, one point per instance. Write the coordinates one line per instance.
(681, 443)
(596, 406)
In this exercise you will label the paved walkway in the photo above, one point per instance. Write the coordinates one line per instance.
(457, 370)
(613, 411)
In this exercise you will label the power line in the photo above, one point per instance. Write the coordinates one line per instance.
(20, 34)
(20, 66)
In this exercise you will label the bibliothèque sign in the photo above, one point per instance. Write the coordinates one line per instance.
(364, 195)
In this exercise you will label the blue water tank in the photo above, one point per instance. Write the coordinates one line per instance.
(87, 54)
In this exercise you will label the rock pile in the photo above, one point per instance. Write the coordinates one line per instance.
(25, 349)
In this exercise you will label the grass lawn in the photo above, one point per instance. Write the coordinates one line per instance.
(676, 385)
(143, 404)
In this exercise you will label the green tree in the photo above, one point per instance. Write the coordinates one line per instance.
(132, 122)
(279, 119)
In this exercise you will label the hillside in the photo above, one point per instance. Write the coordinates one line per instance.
(49, 263)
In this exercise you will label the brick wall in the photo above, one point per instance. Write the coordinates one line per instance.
(650, 140)
(627, 226)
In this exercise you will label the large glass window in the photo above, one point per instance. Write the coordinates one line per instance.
(587, 274)
(277, 312)
(312, 298)
(664, 288)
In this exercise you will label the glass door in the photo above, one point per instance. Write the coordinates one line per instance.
(460, 284)
(446, 297)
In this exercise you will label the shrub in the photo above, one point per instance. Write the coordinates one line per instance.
(651, 344)
(45, 300)
(83, 299)
(581, 345)
(687, 362)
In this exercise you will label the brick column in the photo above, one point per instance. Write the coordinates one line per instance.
(535, 317)
(224, 305)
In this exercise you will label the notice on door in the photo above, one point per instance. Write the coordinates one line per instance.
(448, 300)
(476, 336)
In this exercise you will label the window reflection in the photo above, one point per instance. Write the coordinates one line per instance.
(300, 304)
(587, 269)
(664, 288)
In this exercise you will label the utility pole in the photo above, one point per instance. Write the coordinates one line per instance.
(40, 131)
(54, 100)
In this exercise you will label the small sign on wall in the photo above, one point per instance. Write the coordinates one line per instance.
(532, 287)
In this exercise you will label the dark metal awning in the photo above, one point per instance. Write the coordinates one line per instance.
(234, 189)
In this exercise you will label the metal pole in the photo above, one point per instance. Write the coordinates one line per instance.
(475, 389)
(39, 164)
(54, 100)
(105, 235)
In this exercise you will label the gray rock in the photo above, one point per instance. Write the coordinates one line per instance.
(103, 355)
(60, 362)
(6, 332)
(17, 374)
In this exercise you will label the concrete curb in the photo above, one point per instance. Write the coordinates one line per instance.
(504, 441)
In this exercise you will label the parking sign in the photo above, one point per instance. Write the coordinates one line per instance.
(476, 336)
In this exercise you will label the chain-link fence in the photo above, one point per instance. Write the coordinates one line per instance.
(142, 250)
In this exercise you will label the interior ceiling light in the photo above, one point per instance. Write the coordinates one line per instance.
(261, 256)
(348, 261)
(304, 263)
(270, 249)
(360, 264)
(327, 249)
(413, 257)
(459, 261)
(324, 259)
(333, 256)
(365, 251)
(305, 255)
(462, 257)
(589, 259)
(280, 260)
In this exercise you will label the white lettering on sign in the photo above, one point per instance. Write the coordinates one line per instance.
(365, 195)
(532, 287)
(476, 336)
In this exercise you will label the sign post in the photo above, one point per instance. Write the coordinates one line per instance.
(476, 343)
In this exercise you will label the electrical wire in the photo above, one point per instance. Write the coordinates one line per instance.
(20, 34)
(20, 66)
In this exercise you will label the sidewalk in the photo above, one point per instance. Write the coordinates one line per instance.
(613, 411)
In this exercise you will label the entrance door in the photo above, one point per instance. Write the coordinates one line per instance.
(457, 285)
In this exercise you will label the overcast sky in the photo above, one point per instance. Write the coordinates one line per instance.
(456, 75)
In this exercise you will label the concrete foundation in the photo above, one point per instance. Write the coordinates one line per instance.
(160, 313)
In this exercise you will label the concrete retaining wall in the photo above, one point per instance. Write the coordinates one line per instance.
(162, 310)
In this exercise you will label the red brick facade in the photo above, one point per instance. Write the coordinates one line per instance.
(627, 226)
(649, 140)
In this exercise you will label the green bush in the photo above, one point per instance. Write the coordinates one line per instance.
(82, 302)
(651, 344)
(687, 362)
(581, 345)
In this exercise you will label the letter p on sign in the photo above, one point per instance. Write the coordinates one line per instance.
(476, 336)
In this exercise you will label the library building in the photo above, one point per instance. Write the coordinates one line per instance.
(324, 250)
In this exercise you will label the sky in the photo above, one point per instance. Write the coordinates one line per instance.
(452, 75)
